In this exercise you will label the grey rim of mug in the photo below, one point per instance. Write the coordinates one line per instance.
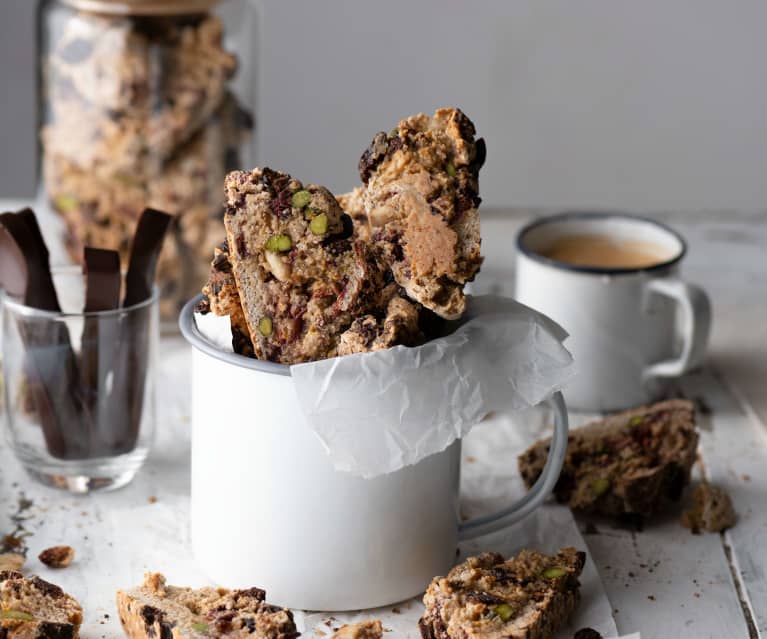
(597, 270)
(192, 334)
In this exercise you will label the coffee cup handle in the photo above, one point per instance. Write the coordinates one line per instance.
(538, 493)
(695, 308)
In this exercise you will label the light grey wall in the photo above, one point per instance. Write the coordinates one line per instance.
(645, 105)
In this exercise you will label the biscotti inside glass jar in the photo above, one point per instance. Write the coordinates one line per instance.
(145, 103)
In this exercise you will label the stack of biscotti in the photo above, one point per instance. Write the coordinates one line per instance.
(526, 597)
(314, 280)
(156, 610)
(31, 608)
(630, 463)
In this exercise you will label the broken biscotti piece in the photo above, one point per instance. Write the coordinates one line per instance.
(528, 596)
(224, 299)
(301, 276)
(370, 629)
(630, 463)
(57, 556)
(421, 197)
(31, 608)
(155, 610)
(712, 510)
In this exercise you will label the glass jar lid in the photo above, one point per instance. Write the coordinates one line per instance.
(141, 7)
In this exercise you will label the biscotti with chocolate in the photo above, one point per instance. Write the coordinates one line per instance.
(155, 610)
(31, 608)
(301, 276)
(421, 196)
(629, 463)
(488, 597)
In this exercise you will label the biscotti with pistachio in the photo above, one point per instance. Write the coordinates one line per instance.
(156, 610)
(421, 200)
(629, 463)
(488, 597)
(31, 608)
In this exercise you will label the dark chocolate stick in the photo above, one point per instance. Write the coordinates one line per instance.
(132, 362)
(50, 366)
(147, 242)
(100, 337)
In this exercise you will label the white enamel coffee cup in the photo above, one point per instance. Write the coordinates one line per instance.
(632, 330)
(268, 509)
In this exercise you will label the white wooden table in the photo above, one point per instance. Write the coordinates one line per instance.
(662, 580)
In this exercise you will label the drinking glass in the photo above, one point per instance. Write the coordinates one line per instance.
(79, 388)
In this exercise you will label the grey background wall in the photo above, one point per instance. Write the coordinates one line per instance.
(644, 105)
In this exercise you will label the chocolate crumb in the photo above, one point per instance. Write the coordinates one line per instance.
(587, 633)
(651, 597)
(152, 499)
(57, 556)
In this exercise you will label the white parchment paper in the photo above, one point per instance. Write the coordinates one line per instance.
(377, 412)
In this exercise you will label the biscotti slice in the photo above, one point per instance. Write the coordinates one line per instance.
(31, 608)
(301, 277)
(155, 610)
(630, 463)
(369, 629)
(526, 597)
(223, 299)
(421, 197)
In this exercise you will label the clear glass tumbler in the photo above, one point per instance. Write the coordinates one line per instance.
(79, 388)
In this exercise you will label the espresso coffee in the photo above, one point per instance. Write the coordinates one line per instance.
(601, 251)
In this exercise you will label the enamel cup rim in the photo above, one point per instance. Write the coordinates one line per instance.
(194, 336)
(592, 216)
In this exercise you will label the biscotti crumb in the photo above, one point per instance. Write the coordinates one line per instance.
(57, 556)
(712, 510)
(11, 561)
(369, 629)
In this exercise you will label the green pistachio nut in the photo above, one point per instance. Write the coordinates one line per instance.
(600, 486)
(504, 611)
(319, 224)
(636, 420)
(301, 198)
(278, 243)
(554, 572)
(16, 615)
(200, 627)
(450, 169)
(65, 203)
(265, 326)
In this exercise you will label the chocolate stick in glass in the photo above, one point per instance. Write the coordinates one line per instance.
(51, 366)
(133, 356)
(99, 339)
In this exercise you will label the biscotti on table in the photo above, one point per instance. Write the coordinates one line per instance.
(31, 608)
(155, 610)
(630, 463)
(488, 597)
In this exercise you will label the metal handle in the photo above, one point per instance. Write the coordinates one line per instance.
(696, 318)
(538, 493)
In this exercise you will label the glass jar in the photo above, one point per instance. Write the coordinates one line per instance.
(146, 103)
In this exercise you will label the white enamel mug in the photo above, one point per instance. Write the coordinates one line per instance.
(268, 509)
(632, 330)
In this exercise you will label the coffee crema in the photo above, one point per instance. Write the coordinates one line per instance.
(602, 251)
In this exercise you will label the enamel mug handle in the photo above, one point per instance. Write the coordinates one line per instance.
(538, 493)
(695, 308)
